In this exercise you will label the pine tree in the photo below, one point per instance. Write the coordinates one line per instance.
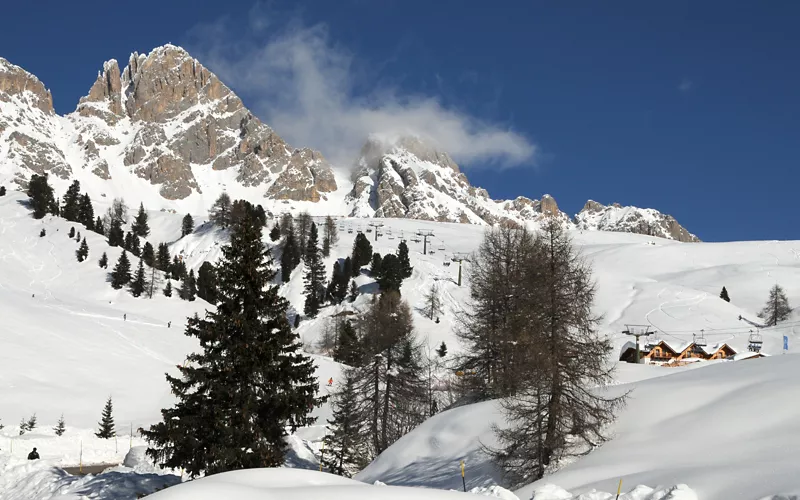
(296, 320)
(2, 190)
(433, 304)
(777, 308)
(83, 252)
(121, 274)
(337, 287)
(275, 233)
(140, 227)
(42, 233)
(353, 291)
(348, 348)
(139, 284)
(23, 426)
(148, 255)
(78, 236)
(116, 236)
(98, 226)
(362, 253)
(330, 236)
(116, 213)
(60, 427)
(103, 262)
(162, 257)
(220, 213)
(31, 423)
(86, 212)
(106, 430)
(250, 383)
(346, 450)
(391, 277)
(71, 232)
(290, 257)
(72, 200)
(301, 230)
(347, 272)
(188, 290)
(187, 226)
(375, 267)
(41, 196)
(207, 283)
(442, 350)
(314, 275)
(168, 289)
(724, 295)
(178, 269)
(135, 250)
(405, 264)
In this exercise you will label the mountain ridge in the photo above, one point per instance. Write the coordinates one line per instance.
(166, 131)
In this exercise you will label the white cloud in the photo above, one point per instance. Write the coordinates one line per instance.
(309, 90)
(686, 85)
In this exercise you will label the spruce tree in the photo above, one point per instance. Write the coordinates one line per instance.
(347, 273)
(314, 275)
(135, 250)
(103, 262)
(106, 430)
(330, 235)
(31, 423)
(275, 233)
(724, 295)
(346, 446)
(121, 274)
(148, 255)
(187, 226)
(301, 231)
(362, 253)
(162, 257)
(98, 226)
(188, 290)
(348, 348)
(178, 269)
(353, 291)
(139, 284)
(290, 257)
(83, 252)
(23, 426)
(405, 264)
(296, 320)
(60, 427)
(116, 236)
(86, 212)
(168, 289)
(140, 227)
(337, 287)
(41, 196)
(391, 277)
(375, 267)
(2, 190)
(78, 236)
(251, 381)
(72, 200)
(207, 283)
(71, 233)
(777, 308)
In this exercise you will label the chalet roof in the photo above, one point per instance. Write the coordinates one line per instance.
(749, 355)
(679, 347)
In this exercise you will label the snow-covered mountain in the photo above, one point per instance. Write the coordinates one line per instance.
(615, 217)
(165, 131)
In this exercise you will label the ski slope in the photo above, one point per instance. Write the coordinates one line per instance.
(66, 348)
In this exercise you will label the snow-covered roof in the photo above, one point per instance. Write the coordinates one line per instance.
(749, 355)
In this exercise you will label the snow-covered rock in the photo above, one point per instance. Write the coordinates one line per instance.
(595, 216)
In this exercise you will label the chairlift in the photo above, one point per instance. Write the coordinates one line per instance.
(447, 263)
(700, 340)
(441, 248)
(754, 342)
(416, 240)
(431, 252)
(390, 236)
(349, 230)
(369, 229)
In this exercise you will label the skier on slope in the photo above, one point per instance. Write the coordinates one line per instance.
(34, 455)
(125, 317)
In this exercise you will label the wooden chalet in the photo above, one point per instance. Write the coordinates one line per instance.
(663, 352)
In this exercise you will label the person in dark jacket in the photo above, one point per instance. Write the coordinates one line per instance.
(33, 455)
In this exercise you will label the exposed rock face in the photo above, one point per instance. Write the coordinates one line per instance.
(407, 178)
(17, 83)
(163, 118)
(615, 217)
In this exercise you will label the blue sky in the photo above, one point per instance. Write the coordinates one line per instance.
(689, 107)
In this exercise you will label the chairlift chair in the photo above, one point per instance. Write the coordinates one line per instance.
(700, 340)
(754, 342)
(369, 229)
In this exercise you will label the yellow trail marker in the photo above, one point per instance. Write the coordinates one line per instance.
(463, 479)
(619, 489)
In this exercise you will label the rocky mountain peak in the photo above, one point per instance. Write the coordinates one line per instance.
(15, 82)
(615, 217)
(105, 97)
